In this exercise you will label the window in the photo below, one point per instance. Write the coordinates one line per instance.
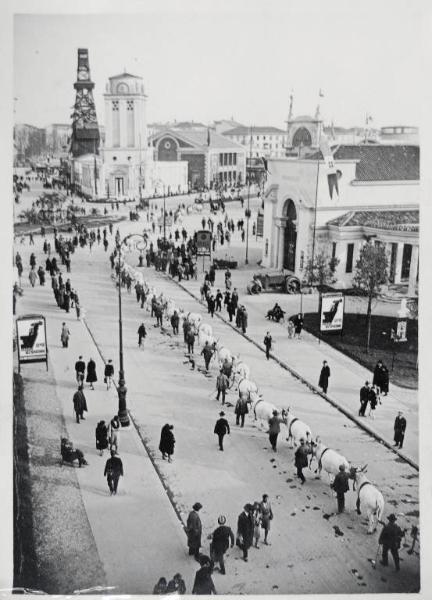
(334, 250)
(115, 123)
(220, 159)
(234, 158)
(230, 158)
(130, 123)
(349, 259)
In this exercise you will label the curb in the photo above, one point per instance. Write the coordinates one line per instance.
(311, 386)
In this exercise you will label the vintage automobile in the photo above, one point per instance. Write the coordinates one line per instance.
(268, 281)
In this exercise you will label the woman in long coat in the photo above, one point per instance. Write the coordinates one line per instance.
(91, 373)
(101, 437)
(64, 336)
(167, 441)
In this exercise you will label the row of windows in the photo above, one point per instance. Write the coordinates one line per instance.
(227, 158)
(271, 138)
(129, 105)
(229, 176)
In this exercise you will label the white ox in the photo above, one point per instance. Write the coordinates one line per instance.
(368, 497)
(194, 319)
(297, 430)
(263, 410)
(224, 354)
(242, 370)
(170, 308)
(205, 334)
(328, 459)
(249, 390)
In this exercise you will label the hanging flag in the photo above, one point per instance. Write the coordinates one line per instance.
(265, 163)
(332, 175)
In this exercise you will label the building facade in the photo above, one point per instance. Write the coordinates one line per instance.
(269, 142)
(210, 157)
(374, 194)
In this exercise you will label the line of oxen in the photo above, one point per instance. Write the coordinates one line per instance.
(369, 498)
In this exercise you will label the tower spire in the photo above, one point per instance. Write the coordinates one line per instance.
(85, 129)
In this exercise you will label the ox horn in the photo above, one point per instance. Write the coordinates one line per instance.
(363, 469)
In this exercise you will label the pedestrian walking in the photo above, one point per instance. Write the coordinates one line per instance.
(244, 319)
(381, 378)
(176, 585)
(222, 384)
(373, 400)
(399, 429)
(194, 530)
(207, 352)
(113, 471)
(324, 377)
(266, 516)
(245, 530)
(142, 333)
(301, 460)
(390, 538)
(108, 374)
(274, 429)
(80, 404)
(114, 433)
(65, 335)
(221, 538)
(218, 300)
(241, 409)
(167, 442)
(256, 517)
(341, 485)
(101, 434)
(364, 399)
(221, 429)
(175, 320)
(80, 370)
(298, 325)
(268, 344)
(41, 275)
(203, 583)
(91, 373)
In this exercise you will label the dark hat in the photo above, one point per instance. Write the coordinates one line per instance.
(222, 520)
(392, 518)
(248, 507)
(197, 506)
(222, 414)
(113, 452)
(341, 467)
(203, 560)
(275, 412)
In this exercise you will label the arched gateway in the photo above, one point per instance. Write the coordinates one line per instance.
(290, 235)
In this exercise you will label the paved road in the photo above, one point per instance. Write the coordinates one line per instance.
(163, 388)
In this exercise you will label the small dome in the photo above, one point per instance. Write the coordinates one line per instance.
(305, 118)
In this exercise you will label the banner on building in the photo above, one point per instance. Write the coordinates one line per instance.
(203, 242)
(260, 226)
(31, 339)
(332, 173)
(332, 312)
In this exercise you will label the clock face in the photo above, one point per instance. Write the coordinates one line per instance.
(167, 145)
(82, 75)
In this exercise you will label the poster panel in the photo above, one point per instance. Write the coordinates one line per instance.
(203, 242)
(31, 339)
(332, 312)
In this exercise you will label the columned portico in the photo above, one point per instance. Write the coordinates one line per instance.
(412, 282)
(398, 267)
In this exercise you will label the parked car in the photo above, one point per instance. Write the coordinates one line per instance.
(277, 280)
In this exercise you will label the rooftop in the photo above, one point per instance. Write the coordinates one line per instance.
(399, 220)
(243, 130)
(124, 75)
(379, 162)
(199, 137)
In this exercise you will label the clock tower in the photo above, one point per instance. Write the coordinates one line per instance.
(85, 129)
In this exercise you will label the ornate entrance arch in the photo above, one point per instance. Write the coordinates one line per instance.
(290, 235)
(302, 137)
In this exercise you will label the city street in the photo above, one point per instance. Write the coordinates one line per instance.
(137, 534)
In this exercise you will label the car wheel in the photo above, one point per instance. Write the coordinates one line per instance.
(292, 285)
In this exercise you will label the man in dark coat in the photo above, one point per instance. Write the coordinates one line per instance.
(241, 409)
(194, 530)
(399, 429)
(207, 352)
(167, 441)
(80, 370)
(274, 429)
(211, 303)
(364, 399)
(221, 429)
(218, 300)
(113, 471)
(301, 460)
(221, 538)
(268, 344)
(141, 334)
(324, 377)
(175, 319)
(222, 384)
(80, 404)
(190, 340)
(243, 319)
(381, 377)
(245, 529)
(203, 584)
(390, 538)
(340, 486)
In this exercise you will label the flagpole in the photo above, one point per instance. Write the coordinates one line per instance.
(315, 208)
(248, 199)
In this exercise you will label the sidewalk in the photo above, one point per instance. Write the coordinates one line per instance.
(153, 542)
(304, 358)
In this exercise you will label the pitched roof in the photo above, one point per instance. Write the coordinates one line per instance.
(379, 162)
(124, 75)
(243, 130)
(199, 137)
(404, 220)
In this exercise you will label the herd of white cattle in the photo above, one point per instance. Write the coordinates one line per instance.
(369, 498)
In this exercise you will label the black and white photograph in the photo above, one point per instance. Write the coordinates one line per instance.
(212, 238)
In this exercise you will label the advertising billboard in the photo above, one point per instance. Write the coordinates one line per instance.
(31, 339)
(332, 312)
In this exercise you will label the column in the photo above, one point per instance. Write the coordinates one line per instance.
(398, 268)
(413, 271)
(277, 258)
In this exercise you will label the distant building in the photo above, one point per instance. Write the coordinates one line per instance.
(211, 157)
(29, 143)
(259, 141)
(225, 125)
(399, 134)
(373, 193)
(58, 139)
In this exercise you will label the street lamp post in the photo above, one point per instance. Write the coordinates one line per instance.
(122, 389)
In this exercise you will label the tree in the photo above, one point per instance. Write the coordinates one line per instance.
(321, 271)
(370, 275)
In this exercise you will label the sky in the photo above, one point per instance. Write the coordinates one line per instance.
(210, 60)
